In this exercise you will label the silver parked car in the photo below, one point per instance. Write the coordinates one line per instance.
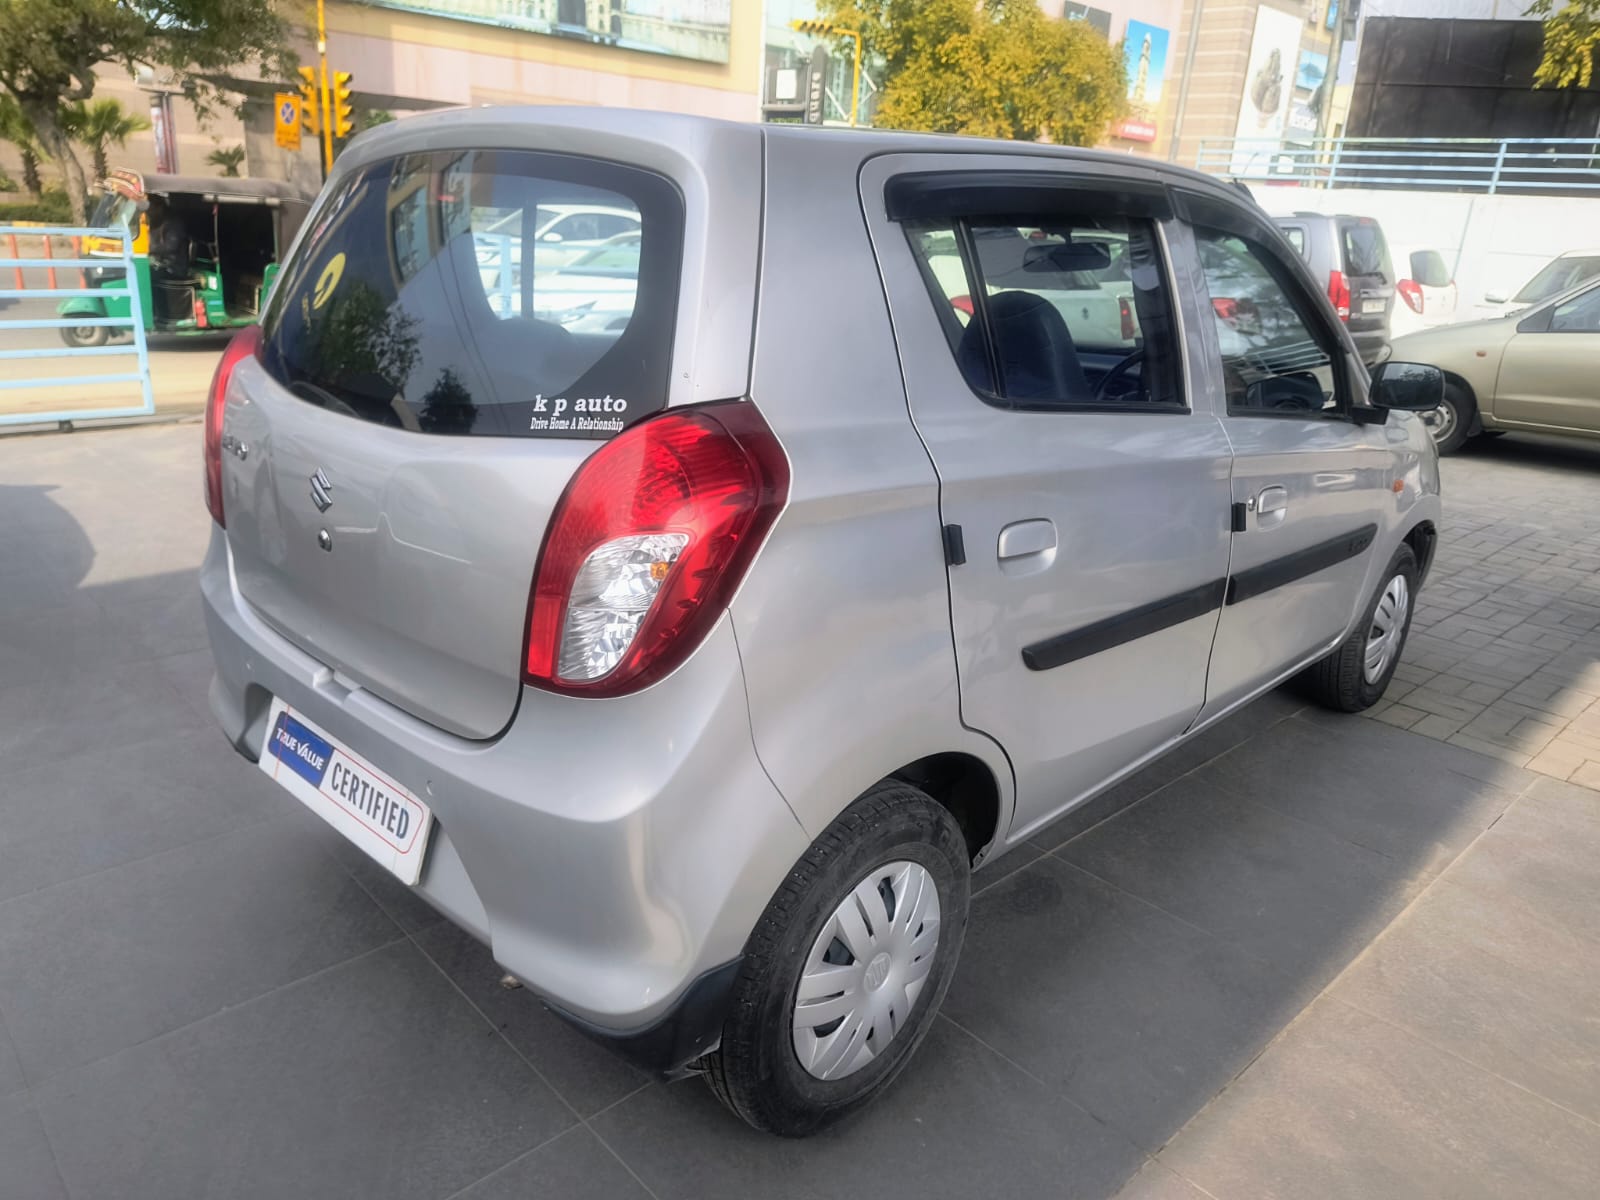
(694, 661)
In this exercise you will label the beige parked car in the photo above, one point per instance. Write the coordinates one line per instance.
(1536, 369)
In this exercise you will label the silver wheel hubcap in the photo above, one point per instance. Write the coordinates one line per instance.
(1441, 421)
(866, 970)
(1388, 628)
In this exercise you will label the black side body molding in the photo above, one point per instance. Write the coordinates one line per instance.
(1124, 627)
(1257, 580)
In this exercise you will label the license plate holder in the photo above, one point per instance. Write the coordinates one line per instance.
(380, 816)
(1370, 307)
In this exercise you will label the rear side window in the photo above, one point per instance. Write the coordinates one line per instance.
(429, 296)
(1297, 238)
(1365, 251)
(1557, 276)
(1070, 313)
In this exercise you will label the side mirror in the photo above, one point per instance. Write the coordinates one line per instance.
(1410, 387)
(552, 238)
(1495, 297)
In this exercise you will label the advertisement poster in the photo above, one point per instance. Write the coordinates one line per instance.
(1144, 49)
(1268, 88)
(1313, 69)
(682, 28)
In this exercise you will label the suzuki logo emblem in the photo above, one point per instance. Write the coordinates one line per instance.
(321, 492)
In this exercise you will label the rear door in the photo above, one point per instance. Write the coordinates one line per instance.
(396, 452)
(1308, 478)
(1550, 372)
(1368, 272)
(1084, 487)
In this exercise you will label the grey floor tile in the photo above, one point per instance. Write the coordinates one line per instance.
(1411, 798)
(404, 907)
(27, 1166)
(1155, 1182)
(63, 715)
(1543, 857)
(11, 1076)
(587, 1075)
(95, 965)
(960, 1121)
(1288, 891)
(81, 814)
(1494, 986)
(1137, 1016)
(1013, 861)
(1348, 1106)
(576, 1166)
(190, 673)
(1260, 715)
(372, 1079)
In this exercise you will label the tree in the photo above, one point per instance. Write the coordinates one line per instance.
(227, 159)
(999, 68)
(51, 48)
(1571, 40)
(100, 125)
(14, 128)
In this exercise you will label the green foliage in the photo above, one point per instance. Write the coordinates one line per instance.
(50, 50)
(996, 69)
(1571, 40)
(227, 159)
(99, 125)
(16, 129)
(53, 209)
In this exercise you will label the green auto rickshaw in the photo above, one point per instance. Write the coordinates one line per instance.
(205, 251)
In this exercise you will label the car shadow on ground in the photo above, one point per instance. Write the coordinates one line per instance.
(205, 989)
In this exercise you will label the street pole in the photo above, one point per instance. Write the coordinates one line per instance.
(1183, 86)
(322, 83)
(855, 84)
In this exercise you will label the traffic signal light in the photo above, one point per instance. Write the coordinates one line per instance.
(310, 102)
(343, 113)
(814, 28)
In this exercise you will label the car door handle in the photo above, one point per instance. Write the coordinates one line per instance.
(1272, 506)
(1022, 539)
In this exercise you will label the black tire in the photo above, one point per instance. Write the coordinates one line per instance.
(79, 336)
(756, 1071)
(1339, 681)
(1451, 425)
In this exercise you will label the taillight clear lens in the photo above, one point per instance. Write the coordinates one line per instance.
(243, 345)
(648, 545)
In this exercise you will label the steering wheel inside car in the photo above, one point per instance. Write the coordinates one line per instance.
(1117, 372)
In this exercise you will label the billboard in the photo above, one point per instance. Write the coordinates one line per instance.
(1268, 87)
(1144, 56)
(682, 28)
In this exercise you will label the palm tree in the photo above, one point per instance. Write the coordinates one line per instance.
(14, 128)
(227, 159)
(99, 125)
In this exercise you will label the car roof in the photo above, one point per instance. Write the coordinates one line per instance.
(1579, 254)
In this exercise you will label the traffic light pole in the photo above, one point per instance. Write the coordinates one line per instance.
(322, 81)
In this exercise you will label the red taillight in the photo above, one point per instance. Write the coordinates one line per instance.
(1130, 330)
(1339, 293)
(1226, 307)
(1411, 292)
(244, 345)
(647, 546)
(200, 312)
(962, 304)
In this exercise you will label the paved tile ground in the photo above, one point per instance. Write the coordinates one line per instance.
(1305, 956)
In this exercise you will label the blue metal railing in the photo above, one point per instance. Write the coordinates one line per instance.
(1550, 166)
(134, 322)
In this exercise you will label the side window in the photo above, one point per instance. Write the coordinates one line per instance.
(1581, 314)
(1297, 238)
(1277, 359)
(1063, 314)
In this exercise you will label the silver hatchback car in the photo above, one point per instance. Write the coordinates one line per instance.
(694, 658)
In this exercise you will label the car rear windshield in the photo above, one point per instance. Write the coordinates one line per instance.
(1555, 277)
(1365, 251)
(484, 292)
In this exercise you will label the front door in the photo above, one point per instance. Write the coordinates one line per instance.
(1305, 472)
(1083, 488)
(1550, 373)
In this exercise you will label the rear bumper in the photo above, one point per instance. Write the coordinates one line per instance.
(1371, 344)
(614, 854)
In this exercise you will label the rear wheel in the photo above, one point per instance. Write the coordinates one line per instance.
(1355, 675)
(847, 966)
(78, 336)
(1451, 423)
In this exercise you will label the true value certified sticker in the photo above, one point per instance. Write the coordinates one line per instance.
(347, 792)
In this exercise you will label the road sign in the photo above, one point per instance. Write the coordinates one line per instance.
(286, 119)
